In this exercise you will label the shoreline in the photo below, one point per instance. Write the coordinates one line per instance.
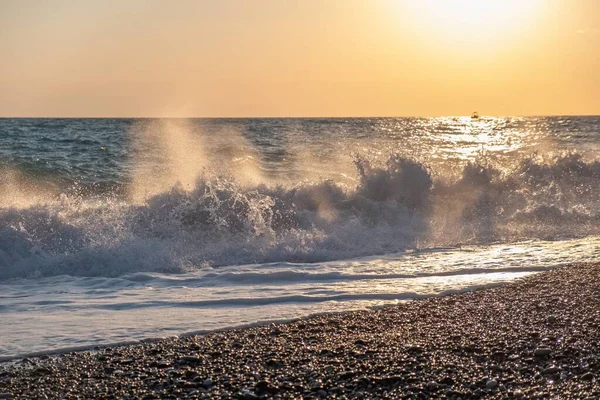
(203, 332)
(535, 337)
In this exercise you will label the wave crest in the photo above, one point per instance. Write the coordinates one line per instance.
(217, 220)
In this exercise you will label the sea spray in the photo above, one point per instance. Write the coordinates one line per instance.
(218, 221)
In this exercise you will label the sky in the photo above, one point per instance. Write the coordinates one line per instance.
(298, 58)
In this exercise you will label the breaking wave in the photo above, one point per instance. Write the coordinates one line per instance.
(219, 219)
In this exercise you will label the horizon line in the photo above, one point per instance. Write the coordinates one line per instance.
(299, 117)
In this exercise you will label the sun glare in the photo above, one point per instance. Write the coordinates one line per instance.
(473, 20)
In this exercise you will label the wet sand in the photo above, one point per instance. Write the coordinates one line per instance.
(538, 337)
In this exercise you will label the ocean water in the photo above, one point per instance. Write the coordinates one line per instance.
(118, 230)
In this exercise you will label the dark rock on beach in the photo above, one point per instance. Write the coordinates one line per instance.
(538, 337)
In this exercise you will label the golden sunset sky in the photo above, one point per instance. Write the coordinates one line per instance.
(237, 58)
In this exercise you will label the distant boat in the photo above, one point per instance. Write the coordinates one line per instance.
(475, 115)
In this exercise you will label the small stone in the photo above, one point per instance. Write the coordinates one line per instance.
(414, 349)
(42, 371)
(491, 384)
(192, 359)
(207, 383)
(321, 393)
(250, 396)
(551, 370)
(364, 381)
(316, 384)
(447, 381)
(6, 396)
(588, 376)
(347, 375)
(431, 386)
(262, 386)
(273, 363)
(326, 353)
(542, 351)
(275, 332)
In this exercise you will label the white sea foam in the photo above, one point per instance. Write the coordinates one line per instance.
(396, 206)
(54, 312)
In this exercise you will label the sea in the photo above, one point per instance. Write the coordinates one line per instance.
(122, 230)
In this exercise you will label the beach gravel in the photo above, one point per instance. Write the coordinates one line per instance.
(536, 338)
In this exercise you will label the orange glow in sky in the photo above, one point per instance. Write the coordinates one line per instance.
(235, 58)
(485, 22)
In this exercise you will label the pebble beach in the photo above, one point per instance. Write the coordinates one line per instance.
(538, 337)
